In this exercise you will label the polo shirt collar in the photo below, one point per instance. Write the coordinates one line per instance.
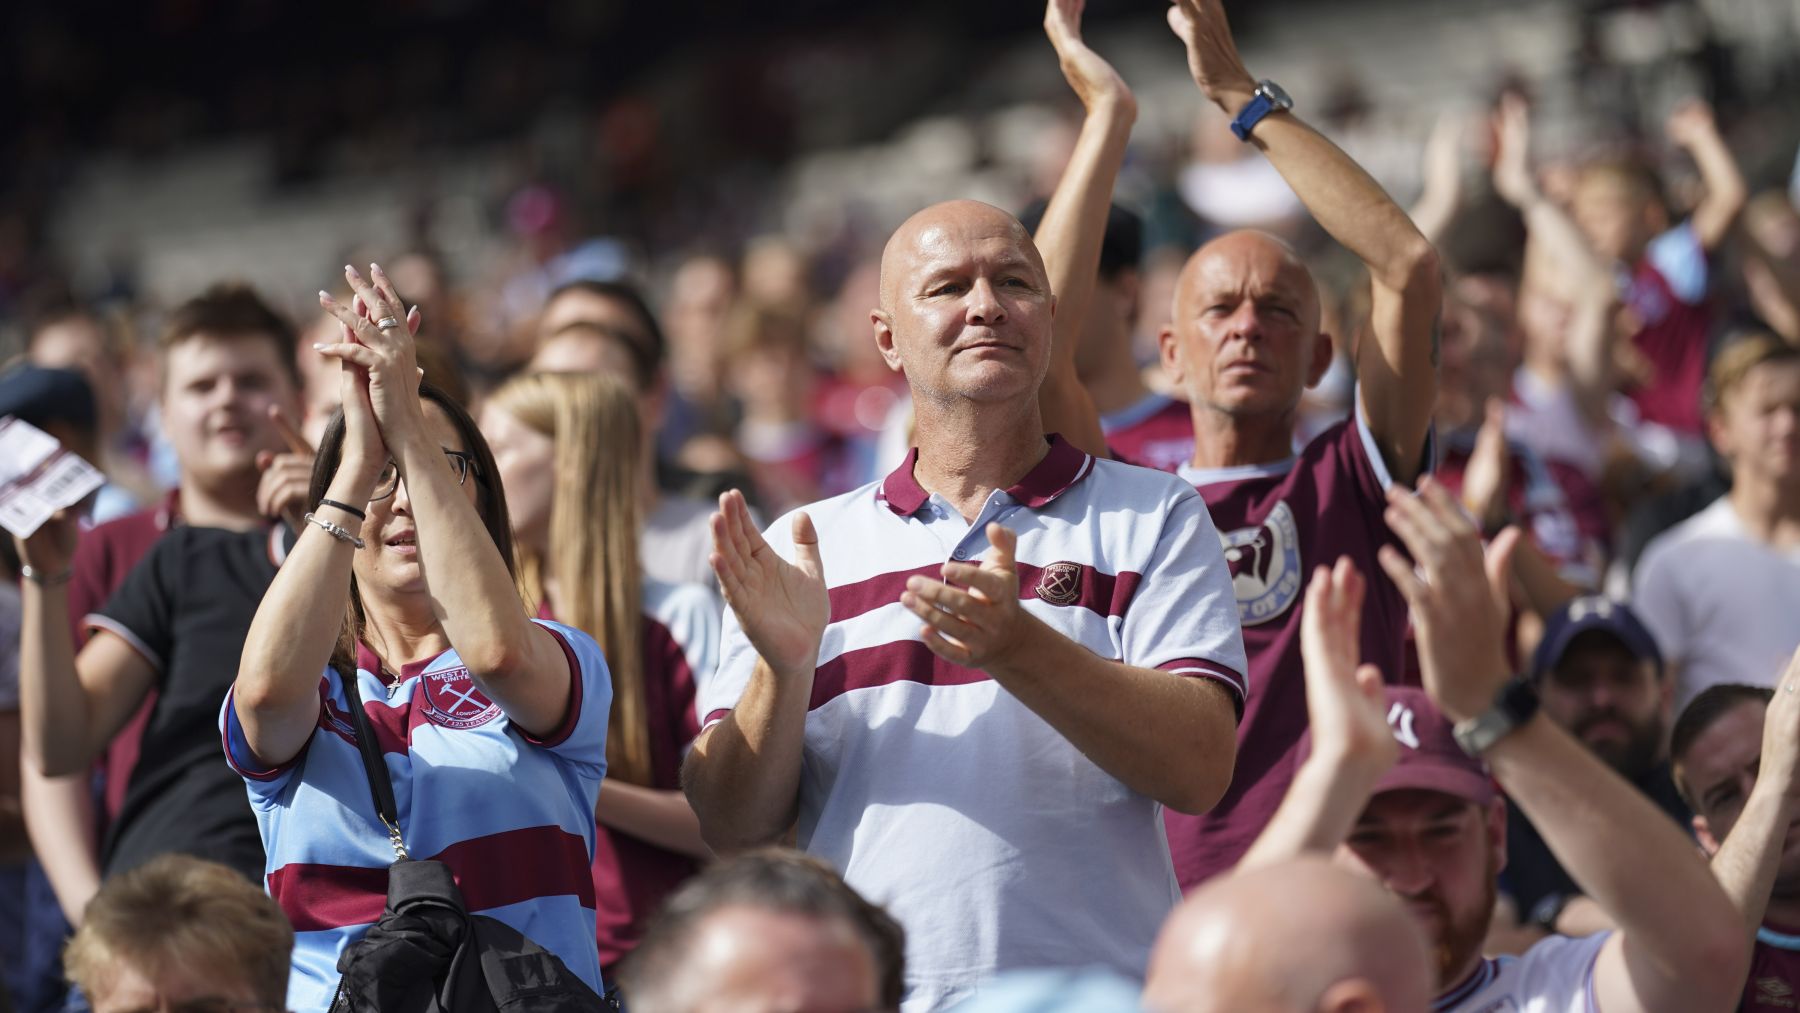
(1062, 467)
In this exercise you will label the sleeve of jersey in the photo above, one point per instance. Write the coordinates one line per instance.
(1368, 469)
(1558, 973)
(1183, 618)
(581, 738)
(141, 611)
(721, 687)
(265, 781)
(1680, 258)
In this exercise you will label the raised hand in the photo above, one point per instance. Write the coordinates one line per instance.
(286, 477)
(50, 550)
(1457, 594)
(1094, 81)
(385, 354)
(783, 607)
(1513, 180)
(1690, 123)
(972, 616)
(1212, 54)
(1346, 708)
(1486, 479)
(1781, 733)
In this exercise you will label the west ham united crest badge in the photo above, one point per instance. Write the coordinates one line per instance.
(1060, 583)
(452, 701)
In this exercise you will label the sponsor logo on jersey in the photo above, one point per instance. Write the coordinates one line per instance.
(1265, 566)
(1773, 991)
(1060, 583)
(453, 701)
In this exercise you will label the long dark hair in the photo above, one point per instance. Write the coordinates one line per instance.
(490, 504)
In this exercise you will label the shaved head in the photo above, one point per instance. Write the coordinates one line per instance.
(1267, 255)
(938, 224)
(1295, 937)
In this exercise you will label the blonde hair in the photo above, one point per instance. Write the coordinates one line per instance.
(177, 911)
(594, 520)
(1735, 361)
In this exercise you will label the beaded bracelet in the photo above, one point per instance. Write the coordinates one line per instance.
(42, 579)
(336, 531)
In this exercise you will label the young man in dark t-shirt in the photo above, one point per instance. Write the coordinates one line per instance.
(1736, 751)
(1244, 342)
(227, 363)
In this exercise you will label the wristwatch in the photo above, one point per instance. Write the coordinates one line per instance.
(1515, 704)
(1268, 97)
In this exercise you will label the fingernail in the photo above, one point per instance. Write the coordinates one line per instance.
(374, 268)
(318, 346)
(324, 296)
(351, 271)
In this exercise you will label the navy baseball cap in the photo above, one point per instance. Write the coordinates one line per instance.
(1430, 759)
(43, 396)
(1593, 612)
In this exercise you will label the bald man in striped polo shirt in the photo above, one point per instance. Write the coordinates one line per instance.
(975, 685)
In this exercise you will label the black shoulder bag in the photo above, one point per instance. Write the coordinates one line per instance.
(426, 953)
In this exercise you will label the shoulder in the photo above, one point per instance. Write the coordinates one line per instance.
(858, 506)
(1715, 522)
(579, 645)
(1122, 480)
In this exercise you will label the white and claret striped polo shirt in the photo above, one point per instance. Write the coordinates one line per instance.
(993, 840)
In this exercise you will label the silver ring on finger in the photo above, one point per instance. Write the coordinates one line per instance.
(387, 323)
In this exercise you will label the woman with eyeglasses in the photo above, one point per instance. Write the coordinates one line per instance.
(570, 453)
(492, 724)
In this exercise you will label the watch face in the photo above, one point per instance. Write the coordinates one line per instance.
(1278, 95)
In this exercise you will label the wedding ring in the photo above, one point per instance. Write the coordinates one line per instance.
(386, 324)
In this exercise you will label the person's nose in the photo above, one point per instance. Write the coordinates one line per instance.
(1245, 321)
(400, 504)
(1406, 872)
(984, 306)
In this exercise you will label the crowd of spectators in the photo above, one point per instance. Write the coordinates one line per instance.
(914, 624)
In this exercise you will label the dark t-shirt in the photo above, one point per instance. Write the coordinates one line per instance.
(186, 607)
(1279, 521)
(1532, 873)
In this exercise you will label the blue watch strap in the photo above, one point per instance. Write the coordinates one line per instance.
(1249, 116)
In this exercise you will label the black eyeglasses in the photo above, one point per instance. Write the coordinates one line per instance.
(389, 479)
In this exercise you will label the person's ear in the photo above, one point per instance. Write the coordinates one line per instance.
(1703, 833)
(884, 339)
(1357, 995)
(1170, 349)
(1323, 349)
(1718, 431)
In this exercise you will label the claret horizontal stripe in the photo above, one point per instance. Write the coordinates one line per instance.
(1102, 593)
(492, 871)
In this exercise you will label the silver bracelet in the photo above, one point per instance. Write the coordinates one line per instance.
(336, 531)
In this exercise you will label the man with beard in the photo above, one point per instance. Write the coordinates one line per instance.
(1736, 751)
(1600, 677)
(1434, 832)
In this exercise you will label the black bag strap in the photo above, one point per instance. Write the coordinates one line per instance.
(381, 786)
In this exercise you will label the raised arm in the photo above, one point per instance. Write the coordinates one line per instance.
(1557, 246)
(70, 706)
(1074, 224)
(1346, 710)
(743, 773)
(276, 694)
(1397, 371)
(1679, 947)
(1441, 170)
(1750, 856)
(1692, 128)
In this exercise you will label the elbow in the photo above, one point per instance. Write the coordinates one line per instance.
(1419, 271)
(1721, 963)
(1203, 789)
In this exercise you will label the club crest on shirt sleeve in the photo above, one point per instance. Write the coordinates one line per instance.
(1265, 566)
(452, 700)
